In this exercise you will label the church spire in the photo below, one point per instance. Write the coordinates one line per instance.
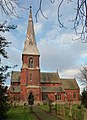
(30, 29)
(30, 43)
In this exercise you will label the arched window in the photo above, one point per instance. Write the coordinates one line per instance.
(31, 63)
(74, 95)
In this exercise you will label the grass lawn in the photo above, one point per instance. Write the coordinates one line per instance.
(19, 113)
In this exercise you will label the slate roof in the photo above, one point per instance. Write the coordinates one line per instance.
(50, 78)
(52, 89)
(69, 84)
(15, 76)
(15, 88)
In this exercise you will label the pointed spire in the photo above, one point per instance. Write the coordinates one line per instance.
(30, 43)
(30, 29)
(30, 16)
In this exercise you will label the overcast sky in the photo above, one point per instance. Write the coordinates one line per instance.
(57, 49)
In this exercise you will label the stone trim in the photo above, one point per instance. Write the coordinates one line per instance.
(33, 86)
(34, 68)
(23, 84)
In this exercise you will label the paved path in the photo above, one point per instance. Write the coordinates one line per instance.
(42, 115)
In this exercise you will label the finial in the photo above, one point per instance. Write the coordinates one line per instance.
(30, 16)
(30, 6)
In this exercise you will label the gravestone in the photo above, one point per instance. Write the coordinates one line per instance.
(70, 111)
(74, 114)
(60, 111)
(63, 110)
(82, 108)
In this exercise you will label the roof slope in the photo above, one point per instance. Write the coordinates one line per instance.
(52, 89)
(15, 76)
(50, 78)
(69, 84)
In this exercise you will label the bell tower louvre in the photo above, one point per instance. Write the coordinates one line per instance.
(30, 72)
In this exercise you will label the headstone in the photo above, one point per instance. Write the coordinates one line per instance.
(60, 111)
(82, 108)
(75, 114)
(63, 110)
(70, 111)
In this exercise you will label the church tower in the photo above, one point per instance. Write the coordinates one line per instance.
(30, 72)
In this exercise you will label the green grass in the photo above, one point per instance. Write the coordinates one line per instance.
(19, 113)
(44, 107)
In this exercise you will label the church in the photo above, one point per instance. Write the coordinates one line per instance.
(43, 85)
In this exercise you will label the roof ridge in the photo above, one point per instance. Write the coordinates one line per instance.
(48, 72)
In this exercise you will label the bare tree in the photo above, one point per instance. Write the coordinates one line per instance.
(82, 76)
(80, 19)
(10, 7)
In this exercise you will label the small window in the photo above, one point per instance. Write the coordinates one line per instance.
(58, 97)
(31, 63)
(30, 76)
(74, 95)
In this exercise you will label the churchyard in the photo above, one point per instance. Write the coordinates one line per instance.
(45, 112)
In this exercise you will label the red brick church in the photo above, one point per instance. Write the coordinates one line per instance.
(43, 85)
